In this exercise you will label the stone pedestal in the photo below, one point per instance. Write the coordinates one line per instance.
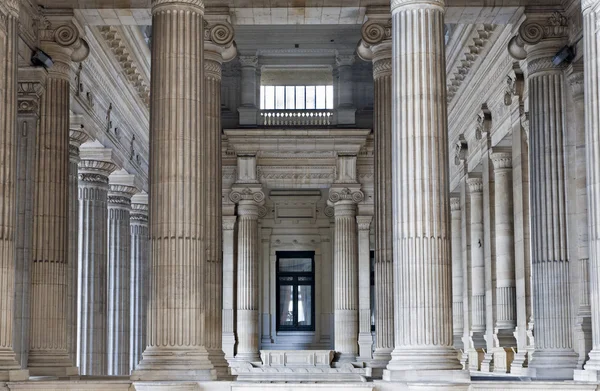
(139, 276)
(178, 204)
(345, 271)
(94, 168)
(50, 270)
(539, 38)
(248, 200)
(121, 189)
(421, 222)
(9, 27)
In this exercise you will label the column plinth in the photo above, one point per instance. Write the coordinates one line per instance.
(554, 357)
(248, 201)
(118, 309)
(178, 203)
(379, 49)
(420, 194)
(9, 25)
(50, 269)
(345, 271)
(94, 169)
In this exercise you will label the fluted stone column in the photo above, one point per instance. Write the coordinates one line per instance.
(175, 346)
(506, 298)
(77, 136)
(49, 341)
(121, 189)
(591, 57)
(248, 109)
(139, 275)
(346, 112)
(31, 87)
(94, 168)
(229, 282)
(421, 222)
(345, 271)
(538, 40)
(217, 49)
(365, 337)
(477, 272)
(9, 27)
(376, 35)
(248, 200)
(457, 273)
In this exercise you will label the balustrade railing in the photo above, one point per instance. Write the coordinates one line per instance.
(296, 117)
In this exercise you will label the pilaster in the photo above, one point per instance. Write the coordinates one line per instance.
(121, 189)
(94, 168)
(9, 25)
(32, 82)
(248, 109)
(229, 282)
(538, 40)
(49, 342)
(457, 273)
(365, 338)
(346, 112)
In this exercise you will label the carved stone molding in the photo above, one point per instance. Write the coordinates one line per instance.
(501, 160)
(398, 4)
(248, 61)
(364, 222)
(93, 178)
(575, 80)
(346, 194)
(159, 5)
(131, 70)
(461, 150)
(229, 222)
(342, 60)
(29, 93)
(475, 185)
(329, 211)
(382, 67)
(480, 39)
(454, 203)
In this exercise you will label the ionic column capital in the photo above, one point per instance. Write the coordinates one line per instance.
(475, 185)
(62, 38)
(139, 209)
(364, 222)
(95, 165)
(345, 195)
(538, 39)
(218, 45)
(247, 195)
(501, 160)
(398, 5)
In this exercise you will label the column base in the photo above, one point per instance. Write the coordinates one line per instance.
(14, 375)
(443, 376)
(383, 355)
(503, 358)
(174, 364)
(61, 372)
(424, 359)
(520, 363)
(553, 364)
(587, 375)
(51, 363)
(217, 359)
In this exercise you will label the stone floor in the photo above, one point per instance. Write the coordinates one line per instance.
(102, 384)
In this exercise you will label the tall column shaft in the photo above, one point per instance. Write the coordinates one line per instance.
(457, 273)
(421, 222)
(591, 57)
(554, 356)
(93, 263)
(9, 25)
(384, 302)
(139, 275)
(49, 342)
(477, 262)
(177, 196)
(247, 282)
(345, 109)
(248, 105)
(506, 310)
(345, 283)
(119, 278)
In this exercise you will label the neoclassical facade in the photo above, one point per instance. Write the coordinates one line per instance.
(234, 195)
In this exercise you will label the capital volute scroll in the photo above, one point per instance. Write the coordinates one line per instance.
(536, 29)
(247, 194)
(219, 45)
(346, 194)
(62, 38)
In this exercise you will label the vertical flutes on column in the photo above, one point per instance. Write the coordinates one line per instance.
(365, 338)
(457, 273)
